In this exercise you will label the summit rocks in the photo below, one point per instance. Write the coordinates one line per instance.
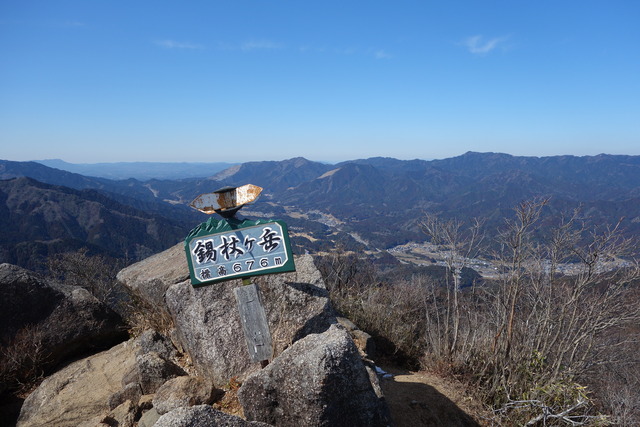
(316, 376)
(67, 320)
(207, 322)
(319, 380)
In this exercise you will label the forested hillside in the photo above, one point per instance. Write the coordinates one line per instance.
(39, 220)
(376, 204)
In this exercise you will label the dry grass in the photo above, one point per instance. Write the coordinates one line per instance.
(229, 402)
(23, 361)
(141, 315)
(530, 340)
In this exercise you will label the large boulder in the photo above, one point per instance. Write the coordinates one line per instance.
(108, 388)
(153, 341)
(182, 392)
(151, 277)
(68, 319)
(207, 321)
(151, 371)
(202, 416)
(320, 380)
(131, 392)
(124, 415)
(80, 391)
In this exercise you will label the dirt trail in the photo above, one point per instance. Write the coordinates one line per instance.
(424, 399)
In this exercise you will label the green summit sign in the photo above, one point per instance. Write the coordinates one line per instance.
(227, 249)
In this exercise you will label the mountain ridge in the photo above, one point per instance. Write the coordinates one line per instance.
(377, 203)
(41, 219)
(139, 170)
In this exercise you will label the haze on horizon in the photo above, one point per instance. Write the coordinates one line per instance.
(213, 81)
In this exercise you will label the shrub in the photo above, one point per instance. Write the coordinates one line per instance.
(97, 274)
(23, 360)
(531, 338)
(387, 312)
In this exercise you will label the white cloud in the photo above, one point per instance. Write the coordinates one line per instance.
(345, 51)
(479, 45)
(381, 54)
(172, 44)
(269, 45)
(260, 45)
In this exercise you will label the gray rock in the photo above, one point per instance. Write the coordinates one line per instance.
(131, 392)
(80, 391)
(183, 391)
(149, 418)
(209, 330)
(319, 380)
(208, 323)
(363, 340)
(151, 371)
(202, 416)
(206, 319)
(146, 402)
(373, 378)
(347, 324)
(151, 277)
(153, 341)
(122, 416)
(69, 319)
(297, 303)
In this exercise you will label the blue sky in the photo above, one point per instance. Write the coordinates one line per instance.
(105, 81)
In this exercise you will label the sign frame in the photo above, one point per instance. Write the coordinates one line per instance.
(234, 230)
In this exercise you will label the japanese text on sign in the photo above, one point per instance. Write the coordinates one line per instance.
(238, 252)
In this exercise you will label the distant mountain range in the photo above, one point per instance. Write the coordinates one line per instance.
(139, 170)
(376, 203)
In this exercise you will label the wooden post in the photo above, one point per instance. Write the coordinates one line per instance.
(254, 322)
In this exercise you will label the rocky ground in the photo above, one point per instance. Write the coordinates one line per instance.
(198, 372)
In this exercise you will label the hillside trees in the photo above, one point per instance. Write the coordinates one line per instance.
(560, 314)
(97, 274)
(535, 334)
(387, 312)
(443, 315)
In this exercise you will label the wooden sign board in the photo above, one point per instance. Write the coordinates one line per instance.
(220, 250)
